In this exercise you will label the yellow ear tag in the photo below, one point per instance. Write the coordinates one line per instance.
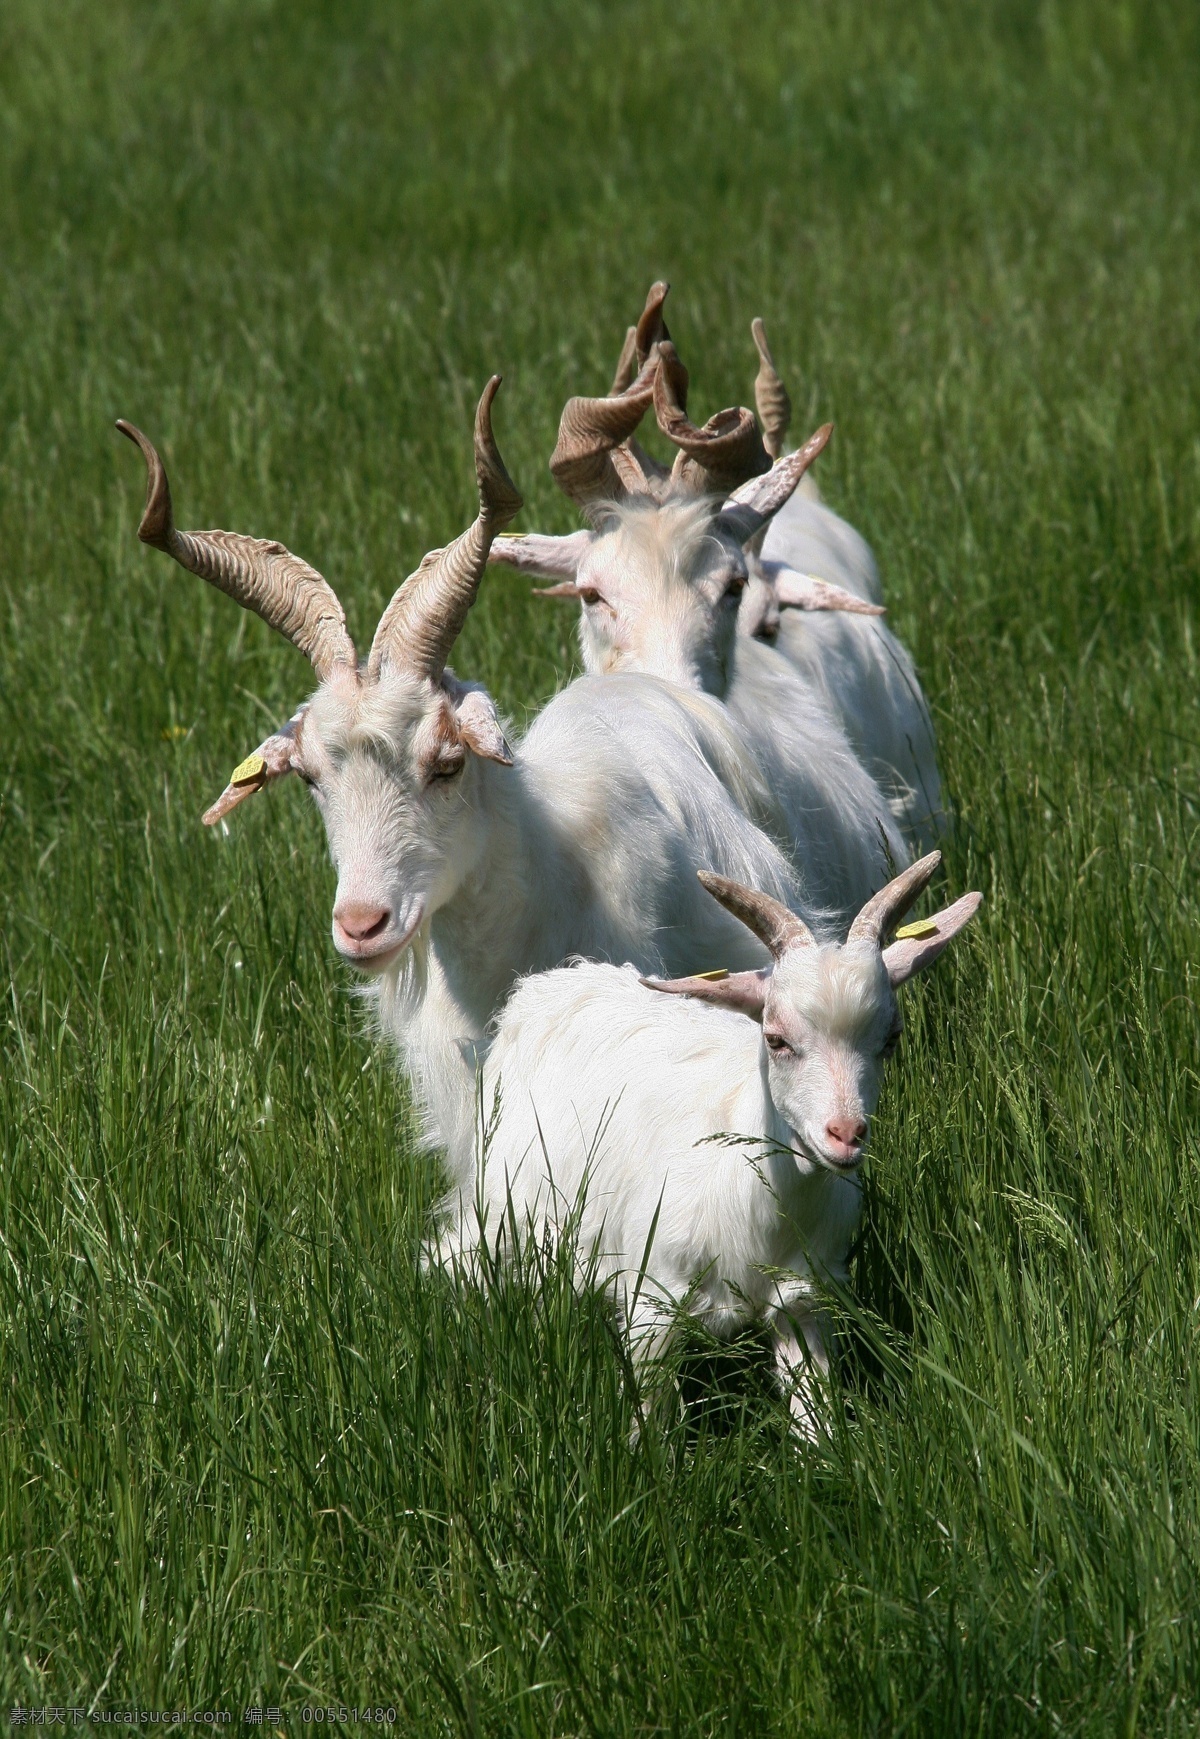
(915, 932)
(247, 771)
(713, 977)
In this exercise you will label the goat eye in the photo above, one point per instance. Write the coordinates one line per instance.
(777, 1043)
(736, 586)
(590, 595)
(447, 769)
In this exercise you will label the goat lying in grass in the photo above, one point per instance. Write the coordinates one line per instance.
(463, 863)
(660, 579)
(708, 1143)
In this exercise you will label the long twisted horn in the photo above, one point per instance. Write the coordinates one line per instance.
(589, 430)
(260, 575)
(770, 395)
(426, 614)
(641, 339)
(771, 921)
(722, 455)
(885, 908)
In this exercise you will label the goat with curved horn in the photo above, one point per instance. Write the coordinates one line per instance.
(770, 395)
(721, 456)
(257, 573)
(426, 614)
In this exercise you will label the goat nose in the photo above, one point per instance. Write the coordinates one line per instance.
(847, 1132)
(360, 922)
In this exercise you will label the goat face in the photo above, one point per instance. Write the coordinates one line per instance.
(660, 592)
(830, 1022)
(828, 1012)
(394, 769)
(659, 583)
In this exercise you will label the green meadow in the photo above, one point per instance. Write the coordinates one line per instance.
(252, 1454)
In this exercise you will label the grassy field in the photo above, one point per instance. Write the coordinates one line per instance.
(248, 1452)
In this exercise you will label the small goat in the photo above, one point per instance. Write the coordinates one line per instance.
(461, 862)
(660, 579)
(706, 1166)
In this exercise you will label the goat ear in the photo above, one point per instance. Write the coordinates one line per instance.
(805, 592)
(744, 991)
(271, 760)
(477, 721)
(545, 558)
(912, 954)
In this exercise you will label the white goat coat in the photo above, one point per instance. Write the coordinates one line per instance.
(857, 664)
(834, 815)
(589, 845)
(606, 1082)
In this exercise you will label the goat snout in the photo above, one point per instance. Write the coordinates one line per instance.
(844, 1137)
(361, 922)
(372, 935)
(363, 931)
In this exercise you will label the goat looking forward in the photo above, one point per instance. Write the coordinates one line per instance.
(667, 572)
(660, 578)
(704, 1165)
(461, 862)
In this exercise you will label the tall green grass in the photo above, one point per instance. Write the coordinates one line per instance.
(249, 1452)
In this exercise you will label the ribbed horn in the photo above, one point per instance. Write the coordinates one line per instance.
(885, 909)
(260, 575)
(721, 456)
(627, 365)
(651, 328)
(641, 339)
(775, 926)
(588, 431)
(426, 614)
(770, 395)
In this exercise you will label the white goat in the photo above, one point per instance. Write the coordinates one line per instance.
(705, 1166)
(856, 664)
(462, 863)
(660, 579)
(808, 582)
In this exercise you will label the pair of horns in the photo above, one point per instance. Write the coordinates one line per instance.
(426, 614)
(596, 457)
(780, 930)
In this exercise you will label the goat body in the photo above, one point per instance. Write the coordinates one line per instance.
(653, 1119)
(855, 663)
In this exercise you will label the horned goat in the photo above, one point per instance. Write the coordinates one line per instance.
(857, 665)
(461, 862)
(660, 578)
(703, 1165)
